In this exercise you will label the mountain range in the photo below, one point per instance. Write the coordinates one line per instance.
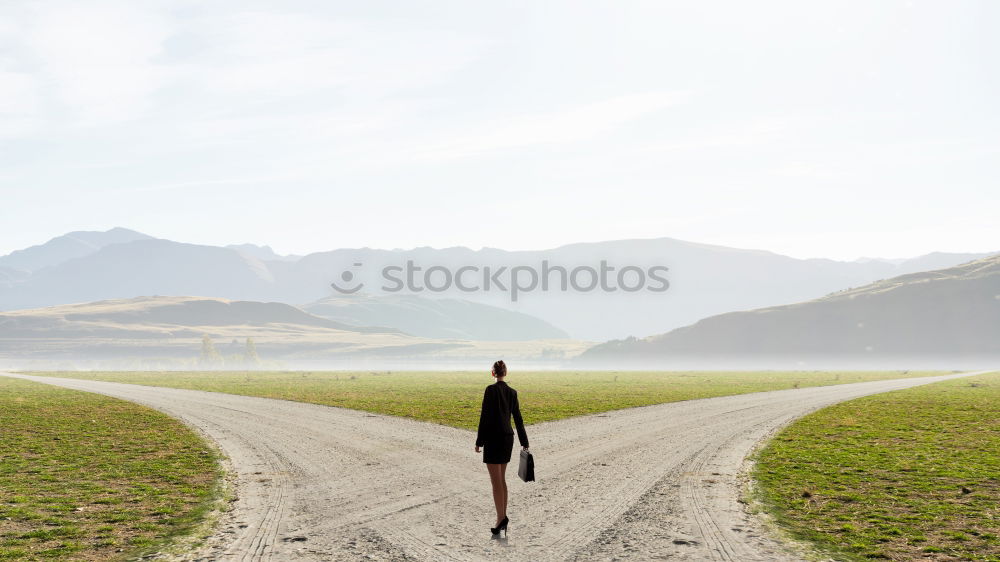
(704, 280)
(951, 312)
(66, 247)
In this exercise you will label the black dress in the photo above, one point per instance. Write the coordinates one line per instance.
(495, 435)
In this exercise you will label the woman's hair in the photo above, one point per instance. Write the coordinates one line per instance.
(500, 369)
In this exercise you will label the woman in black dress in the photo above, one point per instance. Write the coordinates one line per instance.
(497, 439)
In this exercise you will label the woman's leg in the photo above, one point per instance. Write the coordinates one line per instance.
(503, 480)
(499, 493)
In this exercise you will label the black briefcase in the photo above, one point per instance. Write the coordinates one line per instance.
(526, 468)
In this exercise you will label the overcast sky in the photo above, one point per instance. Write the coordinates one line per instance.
(837, 129)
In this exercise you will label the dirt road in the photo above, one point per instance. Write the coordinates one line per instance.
(324, 483)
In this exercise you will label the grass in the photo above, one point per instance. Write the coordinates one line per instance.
(88, 477)
(453, 398)
(910, 474)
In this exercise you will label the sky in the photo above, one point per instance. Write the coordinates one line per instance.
(837, 129)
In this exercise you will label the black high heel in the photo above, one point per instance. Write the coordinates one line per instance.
(501, 527)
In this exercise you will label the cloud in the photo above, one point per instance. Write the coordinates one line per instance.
(200, 184)
(573, 124)
(93, 59)
(289, 54)
(751, 133)
(19, 105)
(99, 64)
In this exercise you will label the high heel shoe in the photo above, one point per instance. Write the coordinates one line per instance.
(501, 527)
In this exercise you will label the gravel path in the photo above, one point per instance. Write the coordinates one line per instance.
(321, 483)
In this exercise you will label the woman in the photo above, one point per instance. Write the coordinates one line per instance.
(497, 439)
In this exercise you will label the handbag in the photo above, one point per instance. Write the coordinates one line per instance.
(526, 468)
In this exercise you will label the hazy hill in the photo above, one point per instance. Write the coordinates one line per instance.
(10, 276)
(704, 280)
(434, 318)
(168, 331)
(66, 247)
(261, 252)
(935, 260)
(945, 312)
(155, 316)
(143, 267)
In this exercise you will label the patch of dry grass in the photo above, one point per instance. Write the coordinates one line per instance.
(911, 474)
(88, 477)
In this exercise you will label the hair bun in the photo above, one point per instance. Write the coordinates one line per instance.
(500, 368)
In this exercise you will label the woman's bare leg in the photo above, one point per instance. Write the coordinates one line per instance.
(499, 493)
(503, 480)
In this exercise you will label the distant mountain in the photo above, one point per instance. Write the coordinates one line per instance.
(264, 253)
(704, 280)
(893, 261)
(143, 267)
(434, 318)
(66, 247)
(935, 260)
(10, 276)
(947, 312)
(167, 332)
(151, 315)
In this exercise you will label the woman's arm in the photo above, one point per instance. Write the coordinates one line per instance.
(481, 432)
(515, 411)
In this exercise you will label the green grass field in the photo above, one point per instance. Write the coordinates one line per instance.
(453, 398)
(911, 474)
(88, 477)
